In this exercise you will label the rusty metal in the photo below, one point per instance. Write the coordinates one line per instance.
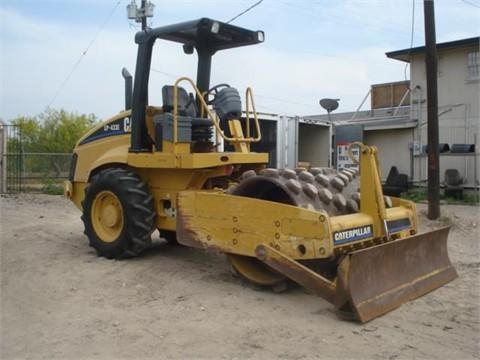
(296, 272)
(374, 281)
(185, 235)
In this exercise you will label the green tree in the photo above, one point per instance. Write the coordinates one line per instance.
(53, 131)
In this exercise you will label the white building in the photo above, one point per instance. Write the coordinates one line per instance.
(458, 100)
(397, 125)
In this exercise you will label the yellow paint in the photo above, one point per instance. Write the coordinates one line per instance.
(164, 160)
(237, 225)
(75, 192)
(176, 178)
(372, 202)
(236, 130)
(107, 216)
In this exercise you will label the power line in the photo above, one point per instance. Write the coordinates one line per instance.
(173, 76)
(74, 67)
(339, 18)
(276, 99)
(471, 3)
(133, 26)
(285, 101)
(411, 38)
(244, 11)
(340, 56)
(170, 75)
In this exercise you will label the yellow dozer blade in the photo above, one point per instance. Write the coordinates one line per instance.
(376, 280)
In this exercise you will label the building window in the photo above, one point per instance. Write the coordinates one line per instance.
(473, 65)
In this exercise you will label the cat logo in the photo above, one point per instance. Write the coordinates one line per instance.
(358, 233)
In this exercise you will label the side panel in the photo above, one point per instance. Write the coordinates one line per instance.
(237, 225)
(110, 150)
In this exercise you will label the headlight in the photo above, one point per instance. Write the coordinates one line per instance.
(260, 36)
(215, 27)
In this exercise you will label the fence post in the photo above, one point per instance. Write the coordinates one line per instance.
(3, 162)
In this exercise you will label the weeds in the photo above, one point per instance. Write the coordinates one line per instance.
(415, 194)
(420, 194)
(52, 187)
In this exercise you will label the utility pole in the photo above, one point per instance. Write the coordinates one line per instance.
(432, 112)
(144, 18)
(140, 14)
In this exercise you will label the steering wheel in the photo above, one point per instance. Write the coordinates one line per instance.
(214, 91)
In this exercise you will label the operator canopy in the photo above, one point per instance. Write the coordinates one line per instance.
(203, 34)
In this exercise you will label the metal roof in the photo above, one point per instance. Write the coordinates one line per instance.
(405, 54)
(378, 119)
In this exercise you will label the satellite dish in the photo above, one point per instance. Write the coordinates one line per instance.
(329, 104)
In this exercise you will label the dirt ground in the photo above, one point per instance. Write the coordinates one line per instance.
(59, 300)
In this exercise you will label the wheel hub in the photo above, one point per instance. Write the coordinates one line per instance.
(107, 216)
(110, 215)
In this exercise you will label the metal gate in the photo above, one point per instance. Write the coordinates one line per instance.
(11, 159)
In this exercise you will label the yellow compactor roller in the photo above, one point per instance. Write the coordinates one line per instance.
(163, 167)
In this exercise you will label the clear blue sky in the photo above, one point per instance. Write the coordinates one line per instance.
(313, 49)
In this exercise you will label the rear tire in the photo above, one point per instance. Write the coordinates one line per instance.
(118, 214)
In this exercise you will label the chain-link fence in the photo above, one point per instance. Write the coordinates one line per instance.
(27, 171)
(45, 171)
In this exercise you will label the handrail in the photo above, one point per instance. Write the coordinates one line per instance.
(362, 146)
(401, 102)
(211, 116)
(248, 100)
(360, 106)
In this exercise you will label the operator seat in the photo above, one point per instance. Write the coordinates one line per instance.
(185, 102)
(227, 105)
(191, 128)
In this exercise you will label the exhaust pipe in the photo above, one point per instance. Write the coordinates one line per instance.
(128, 88)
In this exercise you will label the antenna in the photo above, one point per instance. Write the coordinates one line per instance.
(329, 104)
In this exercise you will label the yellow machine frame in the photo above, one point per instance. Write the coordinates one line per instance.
(173, 169)
(238, 224)
(374, 275)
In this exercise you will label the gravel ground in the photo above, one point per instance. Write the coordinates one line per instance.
(60, 301)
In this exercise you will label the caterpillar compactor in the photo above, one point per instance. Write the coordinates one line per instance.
(186, 168)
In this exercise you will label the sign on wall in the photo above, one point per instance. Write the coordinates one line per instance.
(343, 158)
(344, 136)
